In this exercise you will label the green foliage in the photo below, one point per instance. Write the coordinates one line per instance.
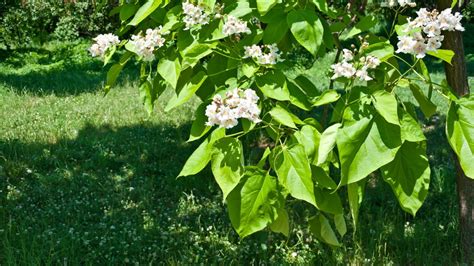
(294, 172)
(409, 176)
(371, 133)
(307, 29)
(365, 145)
(253, 205)
(227, 164)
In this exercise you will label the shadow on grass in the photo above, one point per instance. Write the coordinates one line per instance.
(111, 194)
(107, 195)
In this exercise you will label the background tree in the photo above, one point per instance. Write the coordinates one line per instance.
(456, 76)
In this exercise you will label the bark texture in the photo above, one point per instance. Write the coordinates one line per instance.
(456, 75)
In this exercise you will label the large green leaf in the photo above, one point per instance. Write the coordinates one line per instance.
(365, 144)
(213, 31)
(109, 53)
(273, 85)
(202, 155)
(460, 132)
(326, 97)
(322, 5)
(115, 70)
(220, 68)
(275, 31)
(445, 55)
(294, 172)
(355, 192)
(252, 205)
(309, 137)
(192, 50)
(147, 95)
(227, 163)
(322, 178)
(159, 86)
(112, 76)
(365, 24)
(307, 29)
(411, 129)
(187, 92)
(328, 201)
(170, 69)
(282, 223)
(282, 116)
(263, 6)
(249, 69)
(196, 52)
(340, 224)
(409, 176)
(323, 231)
(327, 143)
(127, 11)
(238, 8)
(298, 96)
(199, 127)
(381, 50)
(427, 107)
(172, 19)
(144, 11)
(387, 106)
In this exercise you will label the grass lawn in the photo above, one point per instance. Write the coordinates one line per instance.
(88, 179)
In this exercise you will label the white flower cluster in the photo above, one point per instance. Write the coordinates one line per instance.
(194, 15)
(234, 25)
(237, 104)
(403, 3)
(426, 31)
(145, 45)
(350, 70)
(102, 43)
(264, 55)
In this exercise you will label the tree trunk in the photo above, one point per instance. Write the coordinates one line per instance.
(456, 76)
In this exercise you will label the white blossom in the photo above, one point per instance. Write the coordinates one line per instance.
(237, 104)
(425, 31)
(194, 15)
(234, 25)
(372, 62)
(434, 43)
(362, 74)
(448, 21)
(347, 55)
(102, 43)
(419, 49)
(253, 51)
(405, 44)
(432, 29)
(343, 69)
(356, 69)
(264, 55)
(145, 45)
